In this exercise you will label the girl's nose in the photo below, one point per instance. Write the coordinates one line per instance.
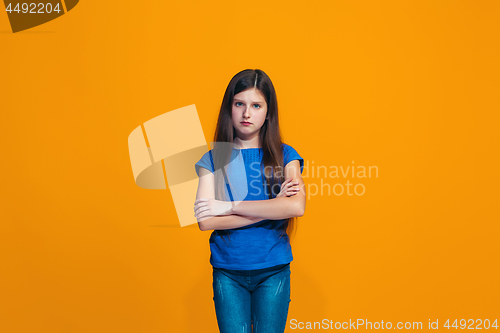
(246, 114)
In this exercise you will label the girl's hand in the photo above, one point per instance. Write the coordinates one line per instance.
(288, 188)
(205, 208)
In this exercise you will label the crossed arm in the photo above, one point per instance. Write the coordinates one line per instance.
(219, 215)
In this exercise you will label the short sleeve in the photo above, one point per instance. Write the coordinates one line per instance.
(291, 154)
(205, 162)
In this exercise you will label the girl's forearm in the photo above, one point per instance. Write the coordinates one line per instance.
(227, 222)
(272, 209)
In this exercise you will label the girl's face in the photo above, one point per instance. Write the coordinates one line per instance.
(248, 107)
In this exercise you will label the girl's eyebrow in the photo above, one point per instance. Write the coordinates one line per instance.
(240, 100)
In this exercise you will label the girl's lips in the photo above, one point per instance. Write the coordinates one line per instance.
(245, 123)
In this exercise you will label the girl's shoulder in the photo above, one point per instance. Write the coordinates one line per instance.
(287, 149)
(206, 162)
(290, 154)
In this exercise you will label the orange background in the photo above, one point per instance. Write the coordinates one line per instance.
(409, 86)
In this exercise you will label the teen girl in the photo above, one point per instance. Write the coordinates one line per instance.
(250, 247)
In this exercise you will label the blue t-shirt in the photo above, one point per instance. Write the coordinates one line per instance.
(259, 245)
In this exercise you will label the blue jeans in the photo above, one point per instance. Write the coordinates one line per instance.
(259, 296)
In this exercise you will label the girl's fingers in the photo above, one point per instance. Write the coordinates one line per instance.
(201, 209)
(285, 182)
(200, 204)
(291, 185)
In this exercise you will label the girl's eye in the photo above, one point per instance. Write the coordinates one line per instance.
(257, 106)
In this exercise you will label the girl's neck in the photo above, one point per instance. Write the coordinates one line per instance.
(243, 144)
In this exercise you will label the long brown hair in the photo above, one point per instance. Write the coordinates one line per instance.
(269, 138)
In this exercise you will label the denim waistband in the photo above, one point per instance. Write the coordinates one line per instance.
(261, 270)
